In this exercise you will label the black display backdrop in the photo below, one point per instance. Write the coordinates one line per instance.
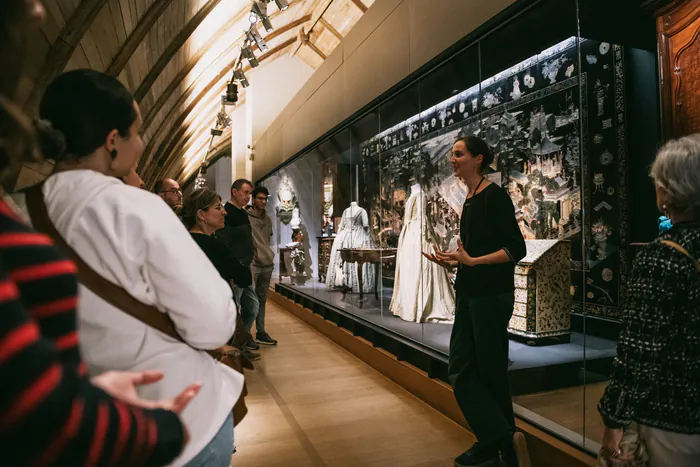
(540, 117)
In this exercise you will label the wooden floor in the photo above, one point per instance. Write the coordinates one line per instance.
(311, 403)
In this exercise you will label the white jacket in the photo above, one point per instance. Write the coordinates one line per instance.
(132, 238)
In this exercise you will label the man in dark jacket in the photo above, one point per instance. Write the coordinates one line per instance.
(238, 237)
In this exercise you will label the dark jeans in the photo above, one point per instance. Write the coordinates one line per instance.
(218, 452)
(478, 366)
(262, 279)
(248, 304)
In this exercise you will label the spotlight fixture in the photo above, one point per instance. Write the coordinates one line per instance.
(238, 74)
(259, 9)
(250, 56)
(267, 24)
(282, 4)
(254, 36)
(217, 132)
(223, 120)
(231, 96)
(252, 18)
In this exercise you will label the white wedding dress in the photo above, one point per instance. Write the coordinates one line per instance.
(353, 232)
(422, 289)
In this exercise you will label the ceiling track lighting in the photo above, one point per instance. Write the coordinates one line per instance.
(267, 24)
(238, 74)
(282, 4)
(231, 96)
(254, 36)
(259, 9)
(250, 56)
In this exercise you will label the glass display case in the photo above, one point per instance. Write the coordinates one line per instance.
(374, 195)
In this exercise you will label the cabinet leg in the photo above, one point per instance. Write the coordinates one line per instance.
(359, 278)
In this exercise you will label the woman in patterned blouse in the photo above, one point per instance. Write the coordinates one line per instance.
(656, 375)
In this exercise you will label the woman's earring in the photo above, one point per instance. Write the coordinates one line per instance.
(113, 154)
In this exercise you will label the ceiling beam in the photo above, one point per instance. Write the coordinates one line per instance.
(62, 49)
(137, 36)
(330, 27)
(313, 47)
(173, 146)
(188, 92)
(220, 152)
(360, 5)
(221, 148)
(172, 49)
(192, 62)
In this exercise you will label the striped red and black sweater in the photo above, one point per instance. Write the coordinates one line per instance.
(50, 414)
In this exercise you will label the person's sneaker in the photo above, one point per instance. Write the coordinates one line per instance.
(265, 339)
(514, 452)
(251, 344)
(250, 355)
(476, 455)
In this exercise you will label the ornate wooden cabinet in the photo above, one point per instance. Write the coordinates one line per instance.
(678, 27)
(542, 297)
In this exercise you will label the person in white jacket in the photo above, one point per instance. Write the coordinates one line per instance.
(133, 239)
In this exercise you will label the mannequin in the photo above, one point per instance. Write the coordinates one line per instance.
(353, 232)
(421, 294)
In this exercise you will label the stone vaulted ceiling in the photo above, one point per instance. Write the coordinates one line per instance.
(176, 57)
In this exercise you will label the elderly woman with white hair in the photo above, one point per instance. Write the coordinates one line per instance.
(655, 381)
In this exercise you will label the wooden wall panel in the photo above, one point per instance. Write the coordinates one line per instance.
(73, 31)
(126, 16)
(51, 27)
(105, 35)
(173, 48)
(118, 19)
(54, 11)
(78, 60)
(129, 46)
(89, 46)
(67, 7)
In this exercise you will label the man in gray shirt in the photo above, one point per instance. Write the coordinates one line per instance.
(263, 258)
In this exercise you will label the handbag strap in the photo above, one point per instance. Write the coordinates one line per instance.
(106, 290)
(682, 250)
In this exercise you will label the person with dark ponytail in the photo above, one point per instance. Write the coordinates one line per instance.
(131, 238)
(51, 412)
(489, 246)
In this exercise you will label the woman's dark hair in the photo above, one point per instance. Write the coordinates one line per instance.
(476, 146)
(295, 234)
(84, 106)
(201, 198)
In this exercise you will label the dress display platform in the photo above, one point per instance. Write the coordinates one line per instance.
(534, 368)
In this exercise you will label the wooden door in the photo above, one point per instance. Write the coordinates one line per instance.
(678, 27)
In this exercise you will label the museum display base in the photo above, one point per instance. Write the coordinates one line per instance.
(426, 346)
(547, 449)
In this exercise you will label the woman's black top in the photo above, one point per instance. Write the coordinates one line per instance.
(487, 225)
(229, 267)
